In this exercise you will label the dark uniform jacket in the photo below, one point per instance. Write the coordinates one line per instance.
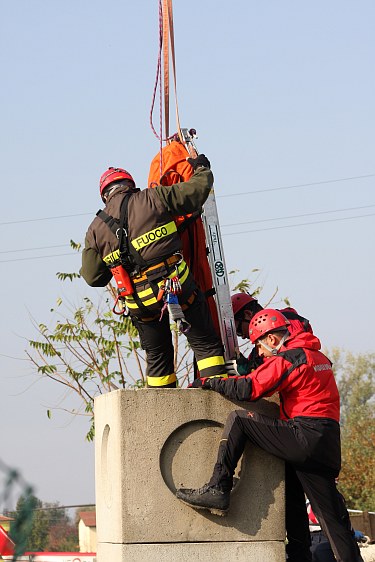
(151, 228)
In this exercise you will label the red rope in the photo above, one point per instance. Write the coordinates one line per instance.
(158, 81)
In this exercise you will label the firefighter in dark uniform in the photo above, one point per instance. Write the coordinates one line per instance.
(157, 267)
(307, 435)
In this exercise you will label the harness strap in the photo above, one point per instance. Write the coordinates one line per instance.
(123, 235)
(166, 264)
(109, 221)
(189, 302)
(128, 255)
(184, 307)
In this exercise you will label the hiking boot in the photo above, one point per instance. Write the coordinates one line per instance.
(208, 497)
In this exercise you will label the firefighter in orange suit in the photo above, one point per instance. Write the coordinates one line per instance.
(163, 288)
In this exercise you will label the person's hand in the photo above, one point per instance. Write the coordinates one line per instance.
(200, 383)
(200, 161)
(197, 383)
(360, 537)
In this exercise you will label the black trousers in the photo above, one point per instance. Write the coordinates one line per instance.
(311, 449)
(156, 340)
(320, 548)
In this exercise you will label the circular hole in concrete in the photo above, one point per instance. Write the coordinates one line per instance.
(189, 454)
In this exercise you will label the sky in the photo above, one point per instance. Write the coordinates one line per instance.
(282, 97)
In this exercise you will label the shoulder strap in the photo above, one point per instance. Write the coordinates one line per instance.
(123, 232)
(295, 356)
(112, 223)
(130, 258)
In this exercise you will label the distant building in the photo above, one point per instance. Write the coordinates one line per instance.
(53, 557)
(5, 522)
(87, 531)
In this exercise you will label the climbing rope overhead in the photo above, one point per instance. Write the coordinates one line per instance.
(166, 53)
(201, 240)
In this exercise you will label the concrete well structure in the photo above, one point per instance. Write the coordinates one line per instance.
(150, 442)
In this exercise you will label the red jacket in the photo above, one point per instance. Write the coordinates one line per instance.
(297, 323)
(300, 373)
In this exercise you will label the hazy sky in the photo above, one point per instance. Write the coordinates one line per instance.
(282, 96)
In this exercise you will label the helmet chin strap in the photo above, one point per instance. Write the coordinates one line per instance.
(274, 350)
(112, 188)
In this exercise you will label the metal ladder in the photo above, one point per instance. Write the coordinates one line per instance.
(217, 262)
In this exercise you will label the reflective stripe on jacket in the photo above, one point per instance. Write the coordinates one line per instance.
(152, 230)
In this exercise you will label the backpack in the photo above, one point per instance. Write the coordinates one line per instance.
(175, 170)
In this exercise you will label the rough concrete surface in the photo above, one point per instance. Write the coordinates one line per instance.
(368, 553)
(204, 552)
(150, 442)
(195, 552)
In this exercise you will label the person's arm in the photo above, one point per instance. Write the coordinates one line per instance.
(236, 388)
(187, 197)
(264, 381)
(94, 270)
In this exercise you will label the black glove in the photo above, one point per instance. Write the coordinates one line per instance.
(200, 383)
(197, 383)
(199, 161)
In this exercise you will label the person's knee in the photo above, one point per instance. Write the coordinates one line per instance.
(232, 416)
(236, 417)
(232, 420)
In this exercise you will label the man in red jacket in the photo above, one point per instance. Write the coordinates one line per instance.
(307, 435)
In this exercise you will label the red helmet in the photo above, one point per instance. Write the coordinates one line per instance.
(111, 175)
(266, 321)
(240, 300)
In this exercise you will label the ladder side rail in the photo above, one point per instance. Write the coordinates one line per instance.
(217, 264)
(220, 277)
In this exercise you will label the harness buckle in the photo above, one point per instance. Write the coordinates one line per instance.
(118, 233)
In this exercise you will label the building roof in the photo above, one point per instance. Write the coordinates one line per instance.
(88, 517)
(4, 518)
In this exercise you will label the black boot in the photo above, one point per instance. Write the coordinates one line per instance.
(208, 497)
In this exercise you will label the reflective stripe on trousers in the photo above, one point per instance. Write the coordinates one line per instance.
(156, 340)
